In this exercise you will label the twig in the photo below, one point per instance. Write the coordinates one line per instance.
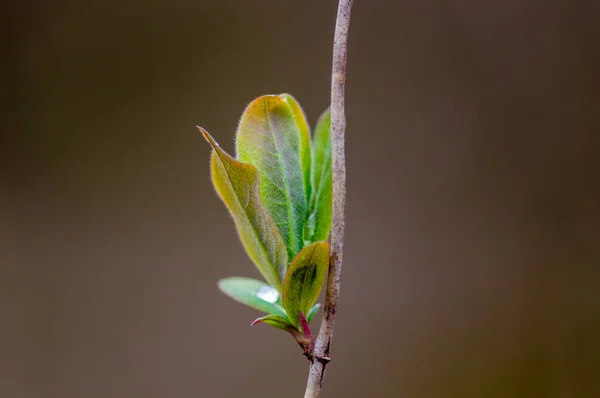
(320, 357)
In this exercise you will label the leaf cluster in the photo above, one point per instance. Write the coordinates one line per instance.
(278, 191)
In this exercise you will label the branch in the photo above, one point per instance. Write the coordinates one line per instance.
(320, 357)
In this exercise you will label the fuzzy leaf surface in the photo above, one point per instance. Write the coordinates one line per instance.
(237, 184)
(253, 293)
(319, 218)
(304, 280)
(269, 137)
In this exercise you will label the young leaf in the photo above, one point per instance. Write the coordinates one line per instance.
(304, 280)
(253, 293)
(313, 311)
(276, 321)
(237, 184)
(269, 138)
(318, 223)
(305, 341)
(305, 149)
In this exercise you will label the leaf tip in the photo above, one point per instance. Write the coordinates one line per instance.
(208, 137)
(221, 283)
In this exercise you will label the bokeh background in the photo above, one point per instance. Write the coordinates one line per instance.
(473, 212)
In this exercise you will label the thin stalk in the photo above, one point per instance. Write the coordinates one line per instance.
(320, 357)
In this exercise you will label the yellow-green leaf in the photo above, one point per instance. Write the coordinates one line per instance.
(253, 293)
(237, 184)
(318, 223)
(304, 280)
(269, 137)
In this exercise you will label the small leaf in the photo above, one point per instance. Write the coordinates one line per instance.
(318, 223)
(269, 138)
(304, 280)
(313, 311)
(237, 184)
(276, 321)
(306, 342)
(253, 293)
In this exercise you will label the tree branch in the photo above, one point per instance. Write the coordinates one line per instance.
(320, 357)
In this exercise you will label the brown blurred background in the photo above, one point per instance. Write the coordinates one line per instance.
(473, 213)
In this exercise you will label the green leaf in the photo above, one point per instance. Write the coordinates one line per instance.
(237, 184)
(253, 293)
(277, 321)
(269, 138)
(305, 149)
(318, 223)
(304, 280)
(313, 311)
